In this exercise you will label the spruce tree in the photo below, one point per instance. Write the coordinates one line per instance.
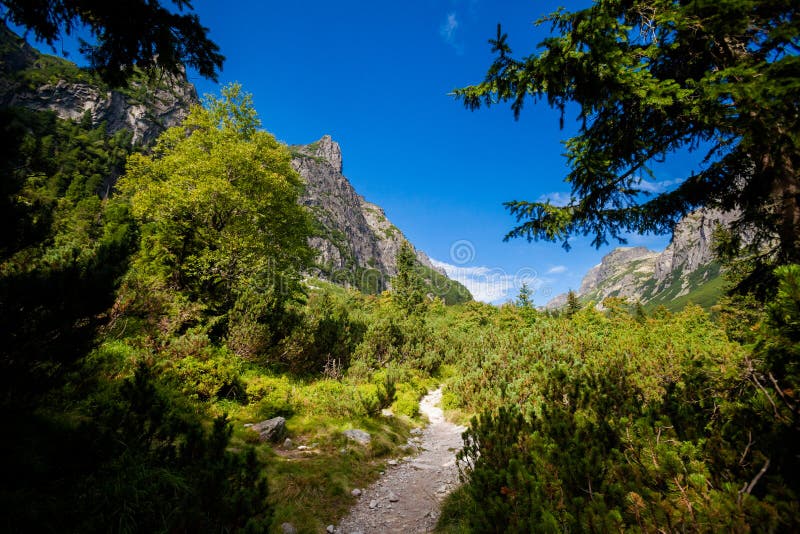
(525, 297)
(652, 78)
(573, 303)
(145, 34)
(407, 286)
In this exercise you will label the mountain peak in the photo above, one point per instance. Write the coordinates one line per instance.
(325, 149)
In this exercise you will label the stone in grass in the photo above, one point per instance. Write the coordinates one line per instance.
(392, 462)
(287, 443)
(330, 529)
(356, 493)
(288, 528)
(270, 430)
(359, 436)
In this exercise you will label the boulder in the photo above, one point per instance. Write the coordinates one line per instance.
(359, 436)
(270, 430)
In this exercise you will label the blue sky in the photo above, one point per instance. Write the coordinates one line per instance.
(376, 76)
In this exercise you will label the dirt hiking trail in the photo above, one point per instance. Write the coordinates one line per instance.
(407, 497)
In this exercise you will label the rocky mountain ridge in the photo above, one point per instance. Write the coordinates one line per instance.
(357, 243)
(41, 82)
(684, 271)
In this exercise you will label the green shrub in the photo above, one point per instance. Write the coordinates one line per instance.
(216, 376)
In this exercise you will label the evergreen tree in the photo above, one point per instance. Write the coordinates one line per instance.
(143, 34)
(525, 297)
(651, 78)
(407, 286)
(573, 303)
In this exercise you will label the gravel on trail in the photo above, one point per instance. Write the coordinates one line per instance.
(408, 495)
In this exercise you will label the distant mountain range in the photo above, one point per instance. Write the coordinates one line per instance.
(684, 272)
(357, 244)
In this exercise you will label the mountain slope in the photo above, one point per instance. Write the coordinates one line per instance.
(684, 272)
(357, 243)
(42, 82)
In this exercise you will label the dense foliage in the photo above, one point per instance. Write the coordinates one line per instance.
(619, 421)
(652, 78)
(605, 421)
(152, 303)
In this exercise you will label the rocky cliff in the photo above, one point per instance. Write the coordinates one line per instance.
(357, 243)
(40, 82)
(684, 271)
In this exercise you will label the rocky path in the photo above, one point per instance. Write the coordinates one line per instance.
(407, 496)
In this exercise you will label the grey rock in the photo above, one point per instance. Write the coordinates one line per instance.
(392, 497)
(270, 430)
(373, 504)
(330, 529)
(287, 443)
(358, 238)
(144, 111)
(359, 436)
(392, 462)
(356, 492)
(643, 275)
(288, 528)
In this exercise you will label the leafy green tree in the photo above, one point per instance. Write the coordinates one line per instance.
(217, 204)
(651, 78)
(143, 34)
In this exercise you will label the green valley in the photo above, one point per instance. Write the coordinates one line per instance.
(204, 329)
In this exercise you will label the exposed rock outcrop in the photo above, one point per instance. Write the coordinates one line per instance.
(356, 242)
(646, 276)
(146, 108)
(692, 242)
(270, 430)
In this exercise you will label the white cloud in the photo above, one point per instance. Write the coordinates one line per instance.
(448, 32)
(657, 187)
(448, 29)
(493, 285)
(556, 198)
(558, 269)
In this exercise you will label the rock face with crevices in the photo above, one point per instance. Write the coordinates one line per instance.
(685, 268)
(407, 497)
(357, 245)
(46, 83)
